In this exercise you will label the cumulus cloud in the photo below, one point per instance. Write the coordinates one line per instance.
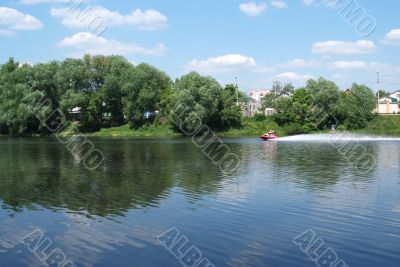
(292, 77)
(344, 48)
(253, 9)
(300, 63)
(308, 2)
(279, 4)
(222, 64)
(349, 65)
(83, 18)
(392, 37)
(88, 43)
(7, 33)
(15, 20)
(34, 2)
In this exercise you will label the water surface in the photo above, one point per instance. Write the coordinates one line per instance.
(112, 216)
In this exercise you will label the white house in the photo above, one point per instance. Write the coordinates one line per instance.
(396, 95)
(390, 104)
(258, 95)
(271, 111)
(252, 108)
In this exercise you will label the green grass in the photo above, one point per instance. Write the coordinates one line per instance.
(380, 125)
(145, 131)
(383, 125)
(252, 128)
(249, 128)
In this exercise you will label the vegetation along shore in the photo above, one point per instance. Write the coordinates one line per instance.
(107, 96)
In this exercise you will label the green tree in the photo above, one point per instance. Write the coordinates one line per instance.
(325, 96)
(206, 103)
(355, 109)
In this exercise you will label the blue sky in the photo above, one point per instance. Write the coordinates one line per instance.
(291, 41)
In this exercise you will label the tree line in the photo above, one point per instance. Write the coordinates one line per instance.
(321, 104)
(110, 91)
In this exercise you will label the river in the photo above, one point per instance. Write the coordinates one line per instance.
(149, 190)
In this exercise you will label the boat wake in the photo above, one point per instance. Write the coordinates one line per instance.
(335, 137)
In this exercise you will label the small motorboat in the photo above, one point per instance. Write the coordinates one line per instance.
(269, 136)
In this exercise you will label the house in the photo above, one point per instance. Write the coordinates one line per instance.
(75, 113)
(258, 95)
(252, 108)
(395, 95)
(255, 105)
(390, 104)
(271, 111)
(285, 94)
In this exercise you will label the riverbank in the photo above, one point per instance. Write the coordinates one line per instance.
(249, 128)
(388, 125)
(127, 131)
(381, 125)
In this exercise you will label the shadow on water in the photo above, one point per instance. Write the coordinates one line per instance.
(136, 174)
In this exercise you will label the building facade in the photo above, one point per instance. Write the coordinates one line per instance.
(258, 95)
(390, 104)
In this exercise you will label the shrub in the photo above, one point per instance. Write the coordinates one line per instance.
(259, 117)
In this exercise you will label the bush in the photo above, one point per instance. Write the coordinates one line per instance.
(259, 117)
(341, 128)
(293, 129)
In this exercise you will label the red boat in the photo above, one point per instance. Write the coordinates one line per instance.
(269, 136)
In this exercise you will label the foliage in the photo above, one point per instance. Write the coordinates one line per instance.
(354, 109)
(259, 117)
(110, 92)
(205, 102)
(320, 105)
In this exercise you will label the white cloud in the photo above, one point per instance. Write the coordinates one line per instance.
(279, 4)
(34, 2)
(226, 64)
(291, 77)
(344, 48)
(392, 37)
(7, 33)
(253, 9)
(384, 68)
(147, 20)
(84, 19)
(88, 43)
(300, 63)
(308, 2)
(349, 65)
(15, 20)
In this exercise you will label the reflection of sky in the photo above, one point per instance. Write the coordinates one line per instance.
(249, 219)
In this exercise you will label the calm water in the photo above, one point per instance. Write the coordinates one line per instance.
(112, 216)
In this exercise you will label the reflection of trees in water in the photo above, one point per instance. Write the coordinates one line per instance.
(136, 174)
(317, 165)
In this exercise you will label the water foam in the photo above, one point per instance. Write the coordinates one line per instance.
(336, 137)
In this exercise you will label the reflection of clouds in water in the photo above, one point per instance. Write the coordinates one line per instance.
(255, 169)
(96, 235)
(239, 190)
(11, 247)
(250, 255)
(389, 155)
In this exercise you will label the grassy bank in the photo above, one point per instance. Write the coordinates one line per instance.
(126, 131)
(383, 125)
(251, 127)
(380, 125)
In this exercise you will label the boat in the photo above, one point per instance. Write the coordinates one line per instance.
(269, 136)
